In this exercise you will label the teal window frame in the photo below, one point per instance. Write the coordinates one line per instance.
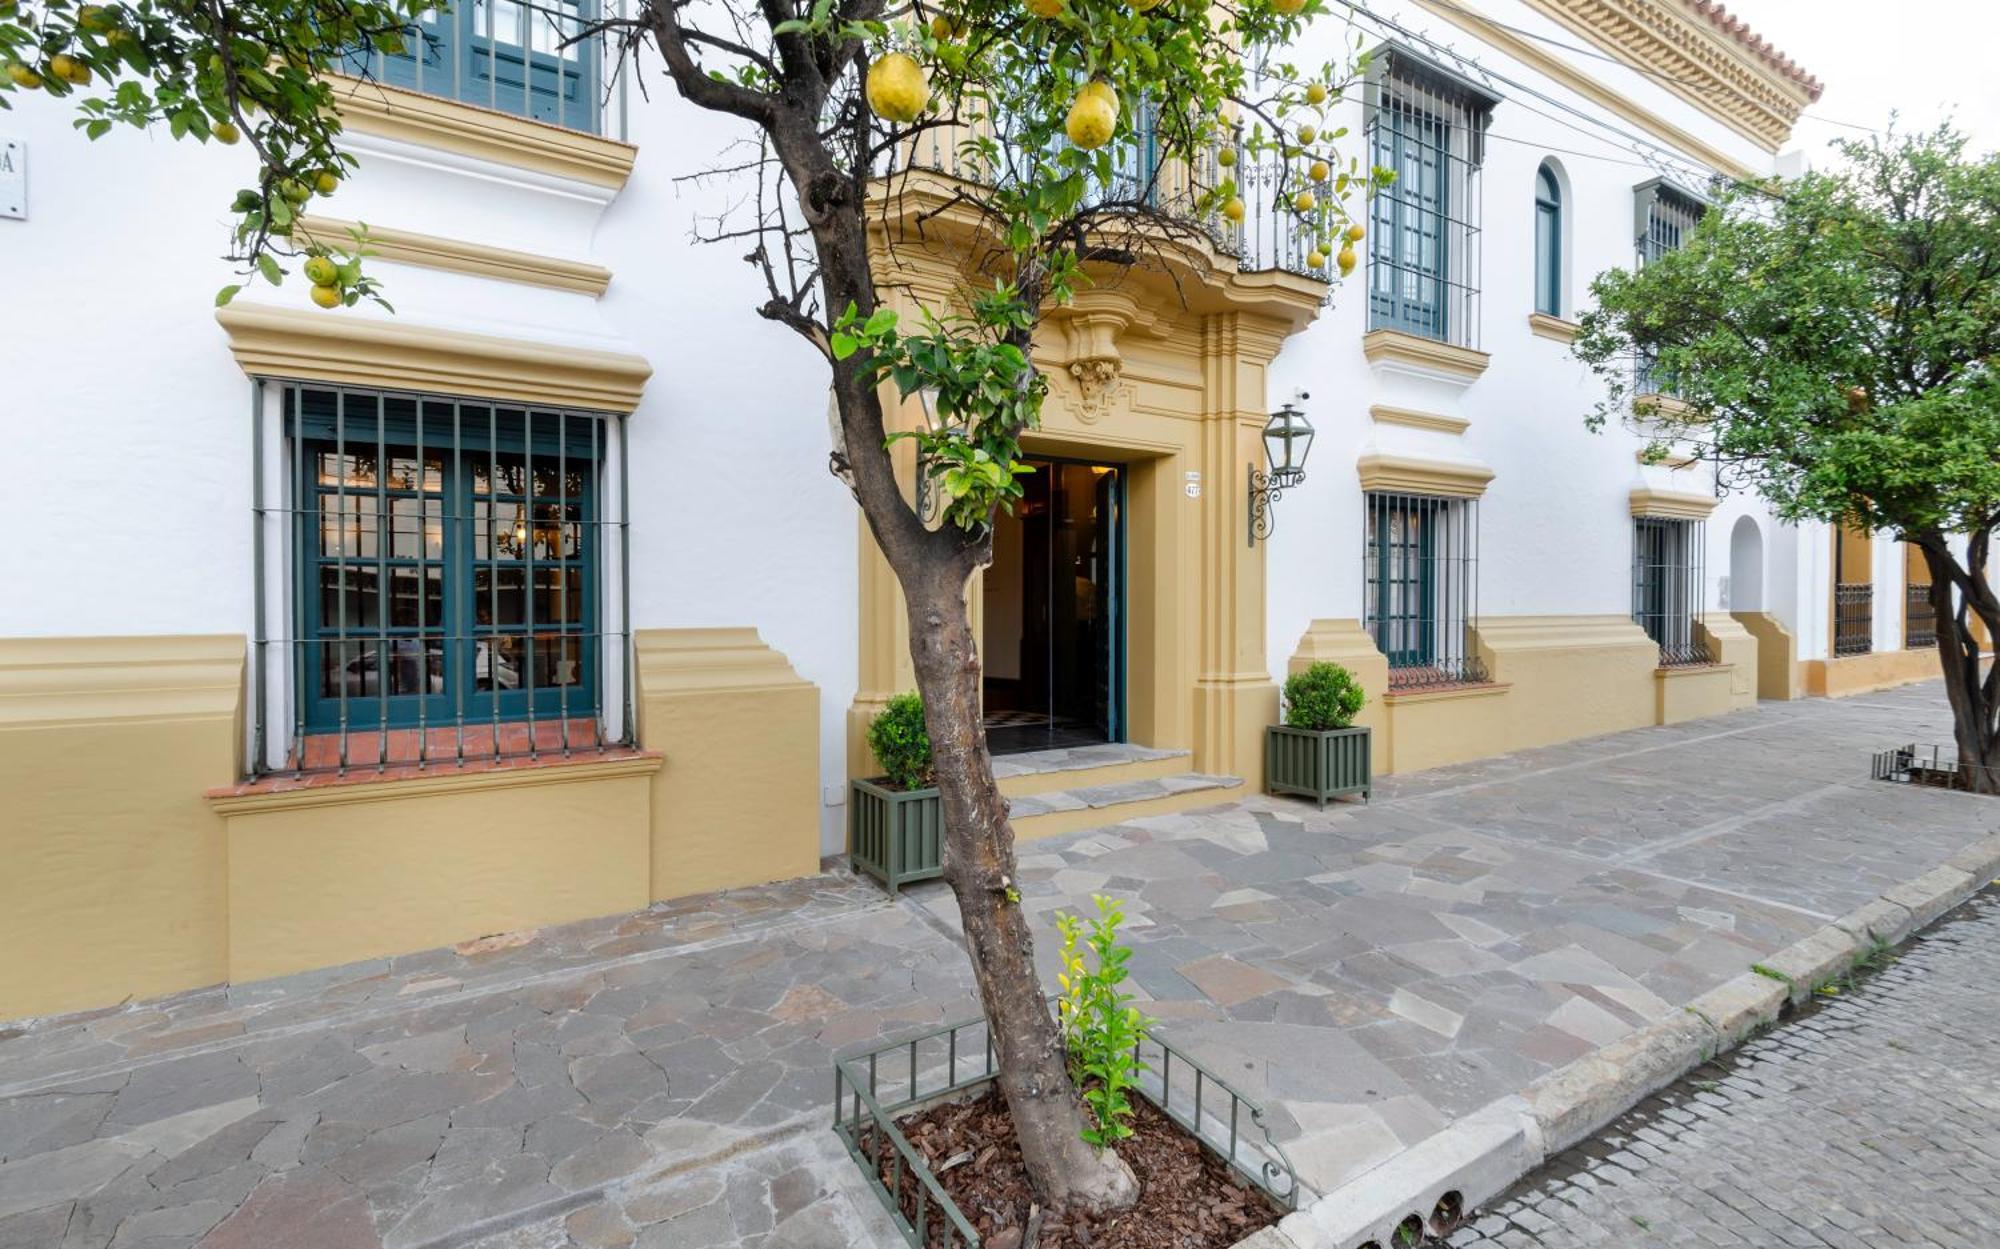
(1548, 242)
(1402, 591)
(448, 518)
(454, 54)
(1410, 251)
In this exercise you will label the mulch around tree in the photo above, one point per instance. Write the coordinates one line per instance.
(1188, 1198)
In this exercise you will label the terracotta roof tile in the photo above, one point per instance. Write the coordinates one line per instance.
(1739, 30)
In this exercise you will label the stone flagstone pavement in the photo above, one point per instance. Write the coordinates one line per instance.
(663, 1079)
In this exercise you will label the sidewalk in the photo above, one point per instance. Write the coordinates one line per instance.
(1371, 973)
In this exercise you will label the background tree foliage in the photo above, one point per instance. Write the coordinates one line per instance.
(1834, 344)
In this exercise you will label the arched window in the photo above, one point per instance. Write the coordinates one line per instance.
(1548, 242)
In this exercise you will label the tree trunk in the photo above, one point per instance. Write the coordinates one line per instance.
(1974, 696)
(979, 866)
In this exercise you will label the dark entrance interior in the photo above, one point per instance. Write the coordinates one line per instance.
(1054, 611)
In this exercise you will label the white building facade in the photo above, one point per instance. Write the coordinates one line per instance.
(296, 577)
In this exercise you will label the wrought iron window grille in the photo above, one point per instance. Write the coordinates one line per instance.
(1663, 218)
(438, 581)
(1420, 591)
(1920, 626)
(1668, 587)
(1854, 618)
(1429, 126)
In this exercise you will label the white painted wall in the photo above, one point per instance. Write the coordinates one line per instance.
(129, 424)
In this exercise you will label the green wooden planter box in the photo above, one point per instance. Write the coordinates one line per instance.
(1316, 763)
(894, 835)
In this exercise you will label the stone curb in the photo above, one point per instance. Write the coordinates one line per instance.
(1480, 1155)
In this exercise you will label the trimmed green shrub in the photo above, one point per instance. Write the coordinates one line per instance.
(1324, 696)
(902, 744)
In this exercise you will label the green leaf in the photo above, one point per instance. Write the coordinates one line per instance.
(226, 294)
(843, 344)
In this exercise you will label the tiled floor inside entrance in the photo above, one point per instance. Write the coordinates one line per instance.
(662, 1078)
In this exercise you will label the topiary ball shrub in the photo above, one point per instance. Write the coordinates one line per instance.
(1324, 696)
(902, 744)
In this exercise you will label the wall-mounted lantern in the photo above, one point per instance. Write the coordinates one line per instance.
(1287, 438)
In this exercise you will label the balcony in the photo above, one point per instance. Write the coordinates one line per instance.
(527, 60)
(1269, 239)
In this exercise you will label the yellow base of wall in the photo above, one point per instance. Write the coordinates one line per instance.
(323, 876)
(122, 880)
(1861, 674)
(1777, 671)
(111, 865)
(1552, 679)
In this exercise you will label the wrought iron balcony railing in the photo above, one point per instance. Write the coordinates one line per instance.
(1269, 238)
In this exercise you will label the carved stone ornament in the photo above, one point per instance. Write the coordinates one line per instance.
(1096, 384)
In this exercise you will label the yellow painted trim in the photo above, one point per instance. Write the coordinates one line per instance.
(738, 801)
(1684, 54)
(1400, 474)
(1542, 325)
(1671, 504)
(345, 348)
(429, 251)
(1383, 414)
(1425, 354)
(1676, 463)
(105, 680)
(1536, 57)
(1486, 690)
(360, 790)
(367, 107)
(1864, 674)
(1053, 823)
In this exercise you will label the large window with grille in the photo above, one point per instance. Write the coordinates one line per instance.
(1429, 127)
(1420, 595)
(529, 59)
(1664, 216)
(1667, 586)
(446, 589)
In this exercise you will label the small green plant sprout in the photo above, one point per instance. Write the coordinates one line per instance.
(902, 744)
(1324, 696)
(1101, 1028)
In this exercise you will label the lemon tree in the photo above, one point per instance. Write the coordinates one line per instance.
(250, 73)
(1040, 106)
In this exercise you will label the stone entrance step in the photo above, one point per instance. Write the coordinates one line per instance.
(1047, 771)
(1093, 806)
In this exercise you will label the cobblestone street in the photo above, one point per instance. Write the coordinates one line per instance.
(1872, 1120)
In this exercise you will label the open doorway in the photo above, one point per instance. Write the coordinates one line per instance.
(1053, 640)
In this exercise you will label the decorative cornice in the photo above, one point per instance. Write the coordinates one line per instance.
(1682, 50)
(1537, 57)
(1424, 355)
(348, 349)
(1542, 325)
(1671, 504)
(430, 251)
(1383, 414)
(701, 660)
(1403, 474)
(370, 107)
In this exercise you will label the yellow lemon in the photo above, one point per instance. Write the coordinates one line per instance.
(1093, 115)
(24, 77)
(1045, 8)
(1355, 233)
(225, 132)
(1315, 259)
(326, 296)
(294, 190)
(1306, 135)
(1346, 260)
(322, 272)
(1315, 94)
(898, 88)
(327, 182)
(1288, 7)
(1226, 157)
(940, 27)
(1319, 171)
(1233, 210)
(69, 69)
(1304, 201)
